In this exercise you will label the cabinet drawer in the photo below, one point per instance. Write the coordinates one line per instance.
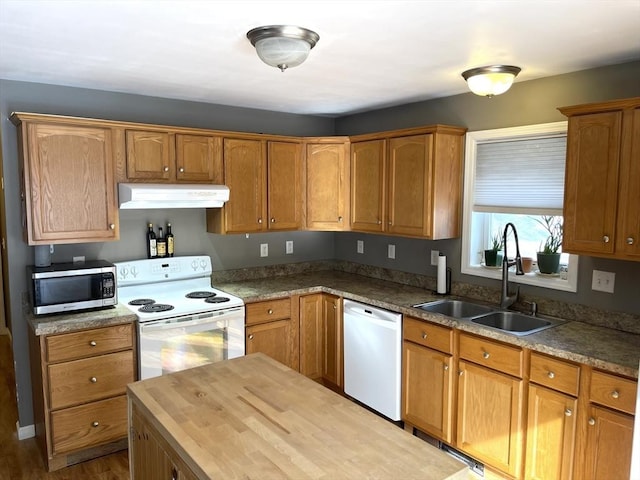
(88, 379)
(428, 334)
(555, 373)
(613, 391)
(261, 312)
(492, 354)
(69, 346)
(89, 425)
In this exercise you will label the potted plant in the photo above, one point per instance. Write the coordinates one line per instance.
(548, 255)
(493, 255)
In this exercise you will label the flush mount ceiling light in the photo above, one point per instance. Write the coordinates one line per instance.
(283, 46)
(491, 80)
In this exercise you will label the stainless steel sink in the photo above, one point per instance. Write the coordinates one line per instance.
(515, 323)
(455, 308)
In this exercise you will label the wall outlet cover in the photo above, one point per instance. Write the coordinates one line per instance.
(360, 246)
(391, 251)
(289, 247)
(434, 257)
(264, 249)
(603, 281)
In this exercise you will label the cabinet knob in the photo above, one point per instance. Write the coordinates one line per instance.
(424, 335)
(485, 355)
(339, 219)
(379, 222)
(551, 375)
(174, 474)
(605, 239)
(181, 169)
(270, 311)
(95, 424)
(592, 421)
(259, 220)
(251, 337)
(460, 372)
(93, 343)
(93, 379)
(568, 412)
(629, 240)
(112, 226)
(446, 367)
(273, 220)
(166, 169)
(615, 394)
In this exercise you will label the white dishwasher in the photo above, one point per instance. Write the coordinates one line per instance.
(373, 357)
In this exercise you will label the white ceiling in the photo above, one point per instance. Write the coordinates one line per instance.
(371, 54)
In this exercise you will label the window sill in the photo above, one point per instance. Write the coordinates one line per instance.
(567, 284)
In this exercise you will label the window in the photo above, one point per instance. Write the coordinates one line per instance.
(515, 175)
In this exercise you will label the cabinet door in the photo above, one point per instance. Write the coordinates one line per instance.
(551, 431)
(426, 390)
(368, 186)
(272, 339)
(591, 183)
(69, 185)
(332, 358)
(284, 191)
(311, 336)
(327, 177)
(628, 236)
(490, 417)
(409, 211)
(245, 175)
(150, 156)
(609, 441)
(198, 158)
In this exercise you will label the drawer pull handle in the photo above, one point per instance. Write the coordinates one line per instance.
(615, 394)
(551, 375)
(251, 337)
(95, 424)
(93, 380)
(270, 311)
(592, 421)
(424, 335)
(93, 343)
(605, 239)
(485, 355)
(629, 240)
(568, 412)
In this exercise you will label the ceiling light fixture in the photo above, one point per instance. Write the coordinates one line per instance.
(491, 80)
(283, 46)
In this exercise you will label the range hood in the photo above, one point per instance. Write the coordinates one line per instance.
(159, 195)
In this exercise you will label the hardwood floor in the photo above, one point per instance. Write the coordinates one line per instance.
(22, 460)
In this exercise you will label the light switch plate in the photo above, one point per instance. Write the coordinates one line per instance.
(289, 247)
(434, 257)
(603, 281)
(360, 246)
(264, 249)
(391, 251)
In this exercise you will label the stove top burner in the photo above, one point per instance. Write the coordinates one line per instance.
(142, 301)
(200, 294)
(155, 308)
(216, 299)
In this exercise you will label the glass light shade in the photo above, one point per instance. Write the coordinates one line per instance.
(283, 52)
(490, 81)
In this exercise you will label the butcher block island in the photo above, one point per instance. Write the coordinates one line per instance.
(254, 418)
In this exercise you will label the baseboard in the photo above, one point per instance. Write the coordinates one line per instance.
(28, 431)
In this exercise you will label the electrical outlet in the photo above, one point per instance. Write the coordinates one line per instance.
(360, 246)
(289, 247)
(434, 257)
(264, 249)
(603, 281)
(79, 259)
(391, 251)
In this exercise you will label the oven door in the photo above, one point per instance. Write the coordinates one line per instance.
(174, 344)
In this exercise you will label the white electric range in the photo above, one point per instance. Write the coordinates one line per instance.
(183, 321)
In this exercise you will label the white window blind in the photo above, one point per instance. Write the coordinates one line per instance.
(520, 176)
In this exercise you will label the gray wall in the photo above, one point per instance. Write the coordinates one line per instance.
(525, 103)
(227, 252)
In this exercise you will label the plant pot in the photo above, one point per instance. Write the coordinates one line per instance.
(492, 258)
(548, 262)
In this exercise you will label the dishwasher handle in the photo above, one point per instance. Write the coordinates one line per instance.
(364, 313)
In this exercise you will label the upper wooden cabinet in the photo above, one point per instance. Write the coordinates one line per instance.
(326, 169)
(163, 156)
(264, 179)
(408, 182)
(67, 180)
(602, 183)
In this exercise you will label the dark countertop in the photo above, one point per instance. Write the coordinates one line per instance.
(605, 348)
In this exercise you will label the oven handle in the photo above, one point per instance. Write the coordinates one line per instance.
(188, 320)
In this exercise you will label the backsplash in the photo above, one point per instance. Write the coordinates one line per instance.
(568, 311)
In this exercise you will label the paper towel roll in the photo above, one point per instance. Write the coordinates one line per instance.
(442, 274)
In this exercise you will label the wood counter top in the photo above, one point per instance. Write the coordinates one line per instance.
(252, 417)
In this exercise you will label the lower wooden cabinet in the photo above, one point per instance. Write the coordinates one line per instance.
(272, 327)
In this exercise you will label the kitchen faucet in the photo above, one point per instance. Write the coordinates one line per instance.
(507, 300)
